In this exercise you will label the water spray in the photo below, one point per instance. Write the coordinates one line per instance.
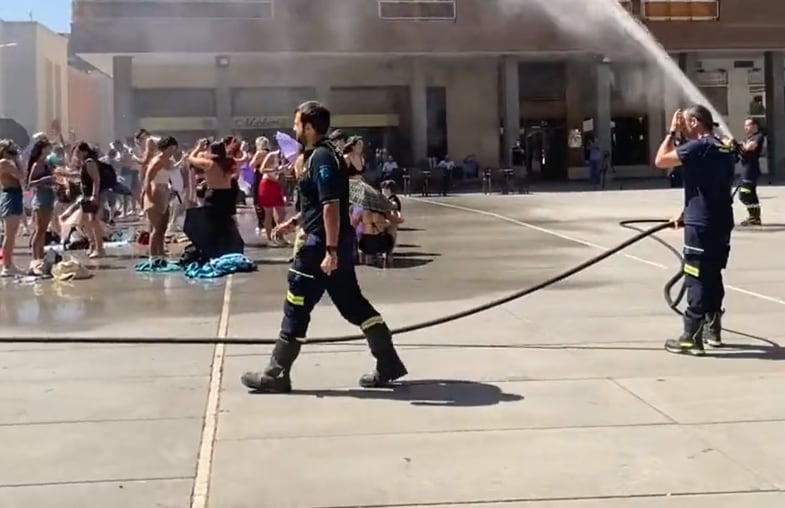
(606, 27)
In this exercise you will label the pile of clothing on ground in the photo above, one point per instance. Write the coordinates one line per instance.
(53, 266)
(221, 266)
(212, 252)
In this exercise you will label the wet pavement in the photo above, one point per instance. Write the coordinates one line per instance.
(564, 399)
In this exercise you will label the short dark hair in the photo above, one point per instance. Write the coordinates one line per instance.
(702, 115)
(140, 133)
(316, 114)
(165, 142)
(753, 121)
(83, 146)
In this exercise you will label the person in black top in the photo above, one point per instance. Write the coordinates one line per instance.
(750, 152)
(324, 263)
(90, 185)
(708, 165)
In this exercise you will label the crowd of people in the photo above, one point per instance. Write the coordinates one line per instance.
(78, 196)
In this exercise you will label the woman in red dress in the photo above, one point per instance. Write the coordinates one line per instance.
(271, 196)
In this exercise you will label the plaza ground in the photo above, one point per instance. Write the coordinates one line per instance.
(564, 399)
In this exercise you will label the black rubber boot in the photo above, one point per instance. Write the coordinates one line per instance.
(691, 340)
(389, 366)
(753, 219)
(712, 329)
(275, 378)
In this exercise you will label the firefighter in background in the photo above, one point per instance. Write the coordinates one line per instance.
(750, 152)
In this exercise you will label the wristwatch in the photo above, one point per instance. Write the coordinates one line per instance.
(331, 249)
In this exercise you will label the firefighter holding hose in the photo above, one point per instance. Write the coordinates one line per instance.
(707, 218)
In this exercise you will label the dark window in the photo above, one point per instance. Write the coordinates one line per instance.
(417, 9)
(150, 9)
(542, 81)
(165, 102)
(718, 97)
(436, 100)
(630, 141)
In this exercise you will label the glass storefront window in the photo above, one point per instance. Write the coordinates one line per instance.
(630, 141)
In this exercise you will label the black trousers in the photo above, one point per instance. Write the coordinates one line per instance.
(748, 195)
(308, 283)
(706, 253)
(257, 181)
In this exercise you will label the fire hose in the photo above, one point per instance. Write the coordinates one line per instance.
(657, 225)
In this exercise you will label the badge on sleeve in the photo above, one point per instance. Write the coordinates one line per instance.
(325, 172)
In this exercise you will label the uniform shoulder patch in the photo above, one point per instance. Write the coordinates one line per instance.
(324, 173)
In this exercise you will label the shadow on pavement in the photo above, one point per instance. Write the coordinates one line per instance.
(765, 228)
(428, 392)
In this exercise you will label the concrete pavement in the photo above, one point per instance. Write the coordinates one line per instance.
(564, 399)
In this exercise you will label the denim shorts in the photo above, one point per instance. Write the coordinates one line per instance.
(43, 199)
(11, 202)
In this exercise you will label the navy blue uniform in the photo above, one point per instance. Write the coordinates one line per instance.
(324, 182)
(748, 189)
(708, 167)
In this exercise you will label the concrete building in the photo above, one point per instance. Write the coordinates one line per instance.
(90, 112)
(33, 75)
(431, 77)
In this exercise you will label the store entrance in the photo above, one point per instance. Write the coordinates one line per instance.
(545, 145)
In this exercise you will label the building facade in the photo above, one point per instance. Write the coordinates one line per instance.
(436, 77)
(90, 112)
(33, 75)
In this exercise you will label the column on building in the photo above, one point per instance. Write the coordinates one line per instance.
(223, 95)
(511, 104)
(688, 63)
(774, 75)
(419, 103)
(602, 113)
(473, 111)
(125, 123)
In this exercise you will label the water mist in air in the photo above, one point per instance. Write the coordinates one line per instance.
(605, 26)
